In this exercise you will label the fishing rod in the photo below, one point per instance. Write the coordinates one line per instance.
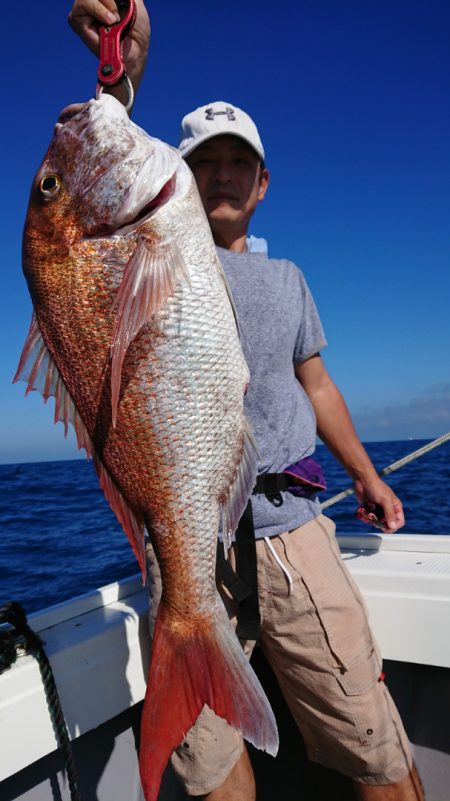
(390, 468)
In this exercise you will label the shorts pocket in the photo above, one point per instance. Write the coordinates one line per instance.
(365, 698)
(361, 676)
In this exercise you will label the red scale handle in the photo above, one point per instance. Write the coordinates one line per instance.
(111, 67)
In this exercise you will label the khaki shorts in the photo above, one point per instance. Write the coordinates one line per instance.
(316, 637)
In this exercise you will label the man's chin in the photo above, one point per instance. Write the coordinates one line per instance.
(222, 213)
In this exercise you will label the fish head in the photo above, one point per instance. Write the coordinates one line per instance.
(102, 177)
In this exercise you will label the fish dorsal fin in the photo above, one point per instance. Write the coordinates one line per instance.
(38, 369)
(131, 522)
(150, 278)
(240, 490)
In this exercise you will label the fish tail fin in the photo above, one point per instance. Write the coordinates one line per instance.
(192, 665)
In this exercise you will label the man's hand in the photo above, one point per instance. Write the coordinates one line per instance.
(87, 15)
(376, 491)
(335, 428)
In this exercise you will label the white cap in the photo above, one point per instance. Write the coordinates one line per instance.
(216, 119)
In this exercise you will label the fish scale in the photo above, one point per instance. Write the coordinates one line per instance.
(134, 333)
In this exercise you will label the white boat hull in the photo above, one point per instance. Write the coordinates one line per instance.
(98, 648)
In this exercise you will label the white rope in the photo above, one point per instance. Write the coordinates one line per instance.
(390, 468)
(279, 562)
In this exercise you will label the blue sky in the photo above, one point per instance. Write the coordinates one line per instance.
(351, 99)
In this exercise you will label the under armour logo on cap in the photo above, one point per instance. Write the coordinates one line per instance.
(210, 114)
(196, 127)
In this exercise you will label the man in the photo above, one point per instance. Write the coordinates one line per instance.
(314, 629)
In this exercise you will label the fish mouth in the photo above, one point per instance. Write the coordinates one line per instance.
(150, 208)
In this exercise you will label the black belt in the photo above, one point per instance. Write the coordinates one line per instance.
(272, 485)
(243, 583)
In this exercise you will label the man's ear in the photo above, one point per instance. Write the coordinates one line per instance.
(263, 183)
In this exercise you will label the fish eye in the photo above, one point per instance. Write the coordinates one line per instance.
(50, 185)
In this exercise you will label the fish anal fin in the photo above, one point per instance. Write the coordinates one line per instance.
(241, 488)
(151, 276)
(187, 671)
(39, 371)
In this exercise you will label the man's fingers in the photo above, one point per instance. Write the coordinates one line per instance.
(84, 12)
(111, 13)
(87, 15)
(394, 516)
(104, 11)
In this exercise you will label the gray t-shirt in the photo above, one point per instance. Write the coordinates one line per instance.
(279, 325)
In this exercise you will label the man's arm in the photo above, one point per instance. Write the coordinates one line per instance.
(87, 15)
(335, 428)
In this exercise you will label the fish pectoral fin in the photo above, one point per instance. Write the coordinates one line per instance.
(38, 369)
(241, 488)
(150, 278)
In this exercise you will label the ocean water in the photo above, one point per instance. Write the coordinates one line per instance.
(59, 538)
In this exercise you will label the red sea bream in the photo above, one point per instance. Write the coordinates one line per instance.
(134, 334)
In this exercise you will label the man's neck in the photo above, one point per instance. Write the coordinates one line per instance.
(233, 243)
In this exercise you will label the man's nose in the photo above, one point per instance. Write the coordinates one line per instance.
(223, 172)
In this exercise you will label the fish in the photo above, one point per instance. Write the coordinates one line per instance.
(135, 335)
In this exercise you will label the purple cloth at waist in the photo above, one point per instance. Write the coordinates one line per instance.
(307, 477)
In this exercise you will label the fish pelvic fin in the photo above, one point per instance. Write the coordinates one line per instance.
(150, 278)
(189, 668)
(241, 488)
(38, 369)
(242, 334)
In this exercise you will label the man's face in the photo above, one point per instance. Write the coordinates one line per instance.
(230, 181)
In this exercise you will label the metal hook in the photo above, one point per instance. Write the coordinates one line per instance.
(125, 79)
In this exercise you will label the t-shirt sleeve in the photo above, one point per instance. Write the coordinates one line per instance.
(311, 336)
